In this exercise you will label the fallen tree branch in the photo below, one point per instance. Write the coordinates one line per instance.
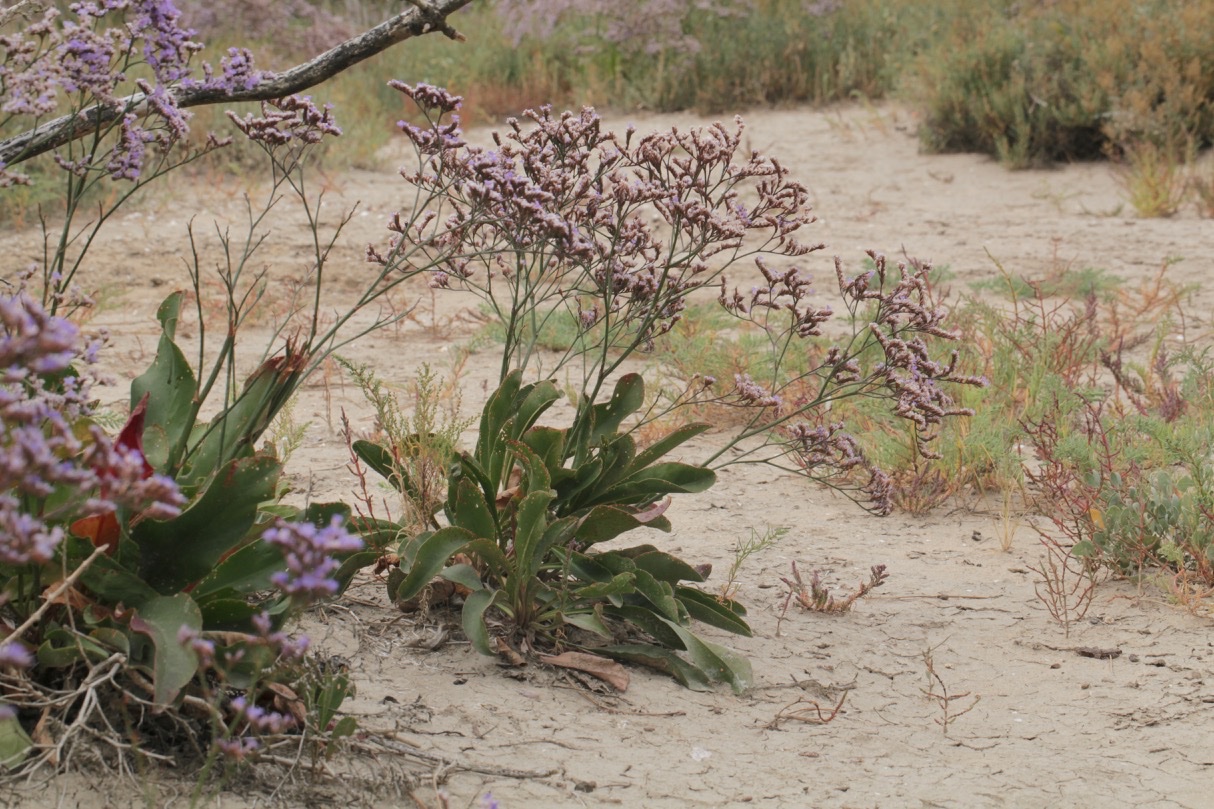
(426, 17)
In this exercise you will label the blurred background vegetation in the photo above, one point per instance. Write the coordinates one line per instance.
(1030, 82)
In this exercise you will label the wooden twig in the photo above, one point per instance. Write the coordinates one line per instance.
(819, 716)
(60, 590)
(426, 17)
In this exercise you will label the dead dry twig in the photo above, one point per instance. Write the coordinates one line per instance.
(810, 713)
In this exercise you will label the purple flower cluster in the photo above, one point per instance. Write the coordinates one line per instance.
(238, 748)
(91, 53)
(83, 57)
(167, 47)
(8, 178)
(629, 222)
(784, 291)
(309, 551)
(126, 160)
(204, 649)
(825, 446)
(294, 119)
(282, 644)
(825, 452)
(902, 317)
(428, 98)
(123, 480)
(42, 400)
(752, 394)
(237, 73)
(34, 342)
(15, 656)
(259, 720)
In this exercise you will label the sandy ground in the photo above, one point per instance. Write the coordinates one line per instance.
(1029, 722)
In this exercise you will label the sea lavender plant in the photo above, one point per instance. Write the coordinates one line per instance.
(62, 478)
(887, 355)
(94, 55)
(49, 449)
(164, 578)
(615, 234)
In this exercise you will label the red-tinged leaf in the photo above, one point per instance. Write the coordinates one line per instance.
(653, 512)
(609, 671)
(131, 435)
(100, 529)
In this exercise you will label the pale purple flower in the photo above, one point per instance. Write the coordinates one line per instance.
(34, 340)
(750, 392)
(824, 446)
(587, 318)
(126, 162)
(123, 480)
(237, 73)
(8, 178)
(192, 639)
(38, 446)
(84, 54)
(560, 190)
(167, 46)
(287, 120)
(26, 539)
(40, 449)
(238, 749)
(259, 720)
(308, 551)
(428, 97)
(13, 655)
(175, 120)
(238, 70)
(277, 641)
(880, 491)
(84, 59)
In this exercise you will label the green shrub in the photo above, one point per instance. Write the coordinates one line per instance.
(1032, 83)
